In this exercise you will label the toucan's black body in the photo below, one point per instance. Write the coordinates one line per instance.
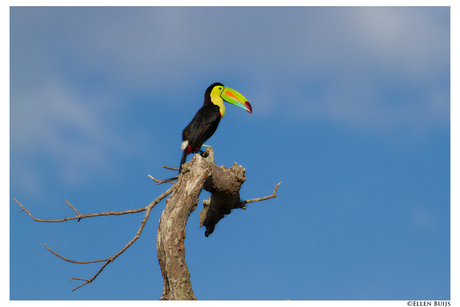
(201, 128)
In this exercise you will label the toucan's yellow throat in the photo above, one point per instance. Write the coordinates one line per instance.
(217, 99)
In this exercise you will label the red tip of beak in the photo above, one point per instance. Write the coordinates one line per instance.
(248, 106)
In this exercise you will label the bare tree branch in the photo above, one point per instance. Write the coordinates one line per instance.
(88, 281)
(81, 216)
(253, 200)
(70, 207)
(171, 168)
(158, 181)
(74, 261)
(112, 258)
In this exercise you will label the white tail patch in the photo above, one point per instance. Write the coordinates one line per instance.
(184, 145)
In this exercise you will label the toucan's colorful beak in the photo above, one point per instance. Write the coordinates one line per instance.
(235, 98)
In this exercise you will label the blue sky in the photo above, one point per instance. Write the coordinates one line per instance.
(351, 111)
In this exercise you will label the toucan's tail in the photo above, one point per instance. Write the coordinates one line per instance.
(184, 157)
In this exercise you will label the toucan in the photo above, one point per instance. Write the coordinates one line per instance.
(206, 120)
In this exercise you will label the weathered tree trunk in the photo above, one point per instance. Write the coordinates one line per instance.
(171, 229)
(224, 185)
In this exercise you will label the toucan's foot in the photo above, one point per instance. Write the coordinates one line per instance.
(202, 151)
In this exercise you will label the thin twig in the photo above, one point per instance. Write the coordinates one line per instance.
(253, 200)
(88, 281)
(171, 168)
(74, 261)
(158, 181)
(71, 207)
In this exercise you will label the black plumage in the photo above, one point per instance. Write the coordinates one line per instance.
(202, 126)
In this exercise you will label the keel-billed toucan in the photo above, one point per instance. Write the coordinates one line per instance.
(206, 120)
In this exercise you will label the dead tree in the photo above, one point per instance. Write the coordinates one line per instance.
(200, 173)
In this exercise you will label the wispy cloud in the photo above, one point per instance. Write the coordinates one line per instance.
(56, 122)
